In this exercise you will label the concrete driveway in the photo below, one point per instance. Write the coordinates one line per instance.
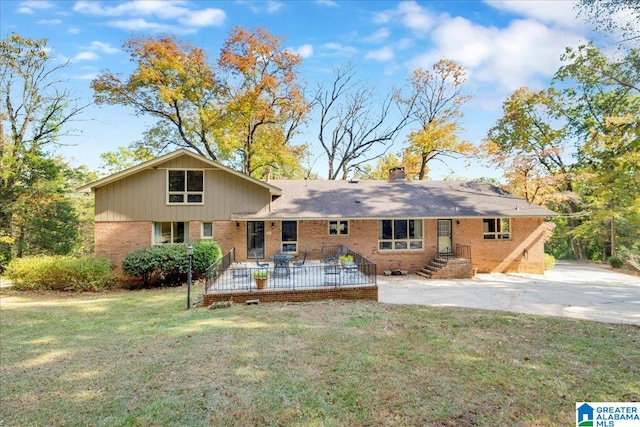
(571, 290)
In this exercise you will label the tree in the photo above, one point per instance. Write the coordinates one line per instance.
(245, 111)
(36, 112)
(575, 148)
(609, 16)
(350, 132)
(603, 111)
(435, 101)
(266, 105)
(174, 83)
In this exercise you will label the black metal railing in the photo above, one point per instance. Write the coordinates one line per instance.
(218, 268)
(458, 252)
(229, 276)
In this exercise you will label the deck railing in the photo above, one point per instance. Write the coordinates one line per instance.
(225, 275)
(459, 252)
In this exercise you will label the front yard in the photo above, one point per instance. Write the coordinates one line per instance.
(140, 358)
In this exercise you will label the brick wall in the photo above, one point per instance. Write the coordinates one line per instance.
(114, 240)
(299, 295)
(523, 253)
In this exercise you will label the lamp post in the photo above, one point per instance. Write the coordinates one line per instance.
(190, 252)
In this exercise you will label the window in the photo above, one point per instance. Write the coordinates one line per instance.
(170, 232)
(185, 186)
(339, 228)
(290, 236)
(207, 230)
(400, 234)
(496, 228)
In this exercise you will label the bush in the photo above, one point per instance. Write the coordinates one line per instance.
(549, 261)
(205, 253)
(168, 264)
(615, 262)
(61, 273)
(143, 263)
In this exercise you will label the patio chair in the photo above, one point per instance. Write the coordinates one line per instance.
(299, 264)
(332, 274)
(258, 263)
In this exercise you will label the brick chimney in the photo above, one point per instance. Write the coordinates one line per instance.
(396, 174)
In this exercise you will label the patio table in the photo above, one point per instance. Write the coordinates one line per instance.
(281, 265)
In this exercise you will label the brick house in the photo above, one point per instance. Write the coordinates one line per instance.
(184, 197)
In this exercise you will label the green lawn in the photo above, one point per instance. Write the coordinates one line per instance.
(140, 359)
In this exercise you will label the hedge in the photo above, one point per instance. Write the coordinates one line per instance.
(61, 273)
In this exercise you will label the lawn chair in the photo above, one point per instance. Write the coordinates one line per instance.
(300, 264)
(258, 263)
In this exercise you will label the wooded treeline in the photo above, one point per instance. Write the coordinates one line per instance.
(573, 146)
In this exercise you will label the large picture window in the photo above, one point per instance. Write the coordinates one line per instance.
(170, 232)
(290, 236)
(496, 228)
(185, 187)
(400, 234)
(338, 227)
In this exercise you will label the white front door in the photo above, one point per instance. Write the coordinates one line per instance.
(445, 240)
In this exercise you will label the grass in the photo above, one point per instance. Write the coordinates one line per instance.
(141, 359)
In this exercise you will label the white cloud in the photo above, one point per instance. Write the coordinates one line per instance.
(104, 47)
(204, 18)
(522, 54)
(258, 7)
(562, 13)
(383, 54)
(86, 56)
(139, 12)
(50, 21)
(30, 6)
(305, 51)
(328, 3)
(338, 49)
(140, 24)
(408, 13)
(379, 35)
(73, 30)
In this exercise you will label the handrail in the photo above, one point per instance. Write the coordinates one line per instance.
(218, 268)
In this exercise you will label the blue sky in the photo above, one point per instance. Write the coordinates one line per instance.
(503, 45)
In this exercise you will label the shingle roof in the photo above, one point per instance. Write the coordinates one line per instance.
(395, 199)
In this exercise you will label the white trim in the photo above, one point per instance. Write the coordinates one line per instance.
(497, 235)
(338, 228)
(202, 236)
(408, 240)
(185, 194)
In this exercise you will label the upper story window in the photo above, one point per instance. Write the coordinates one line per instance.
(496, 228)
(185, 186)
(400, 234)
(339, 228)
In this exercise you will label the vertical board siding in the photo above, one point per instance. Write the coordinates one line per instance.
(142, 196)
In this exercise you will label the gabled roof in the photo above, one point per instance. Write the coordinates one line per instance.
(167, 157)
(395, 199)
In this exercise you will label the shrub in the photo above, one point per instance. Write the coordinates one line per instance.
(615, 262)
(549, 261)
(205, 253)
(143, 263)
(169, 264)
(61, 273)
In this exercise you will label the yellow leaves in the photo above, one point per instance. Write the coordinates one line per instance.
(437, 136)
